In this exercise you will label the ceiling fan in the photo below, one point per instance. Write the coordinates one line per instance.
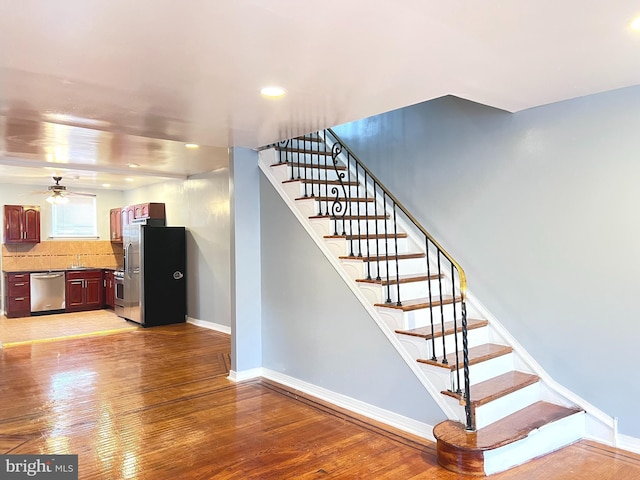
(58, 193)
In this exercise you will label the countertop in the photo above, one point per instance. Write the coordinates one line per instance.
(76, 269)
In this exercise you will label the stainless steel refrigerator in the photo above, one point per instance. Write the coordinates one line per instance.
(154, 274)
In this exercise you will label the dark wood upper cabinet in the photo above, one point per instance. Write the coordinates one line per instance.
(115, 225)
(21, 224)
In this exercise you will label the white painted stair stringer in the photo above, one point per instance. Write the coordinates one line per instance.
(598, 425)
(269, 157)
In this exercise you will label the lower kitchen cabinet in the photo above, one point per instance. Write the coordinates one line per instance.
(84, 290)
(109, 289)
(17, 299)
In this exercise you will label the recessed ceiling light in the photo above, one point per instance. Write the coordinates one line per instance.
(635, 24)
(191, 145)
(133, 165)
(106, 185)
(273, 91)
(128, 179)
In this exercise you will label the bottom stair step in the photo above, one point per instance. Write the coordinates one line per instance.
(465, 452)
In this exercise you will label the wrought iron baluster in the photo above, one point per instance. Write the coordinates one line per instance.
(357, 198)
(465, 358)
(395, 236)
(433, 336)
(375, 214)
(337, 207)
(444, 348)
(455, 328)
(386, 243)
(366, 210)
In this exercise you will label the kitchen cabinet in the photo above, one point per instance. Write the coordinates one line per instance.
(115, 225)
(149, 210)
(17, 300)
(84, 290)
(21, 224)
(109, 289)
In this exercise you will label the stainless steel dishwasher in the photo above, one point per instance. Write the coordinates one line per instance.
(47, 292)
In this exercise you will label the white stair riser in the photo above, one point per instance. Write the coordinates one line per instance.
(359, 226)
(321, 207)
(307, 157)
(421, 348)
(408, 291)
(546, 439)
(416, 318)
(366, 247)
(475, 337)
(307, 172)
(497, 409)
(359, 269)
(324, 190)
(484, 370)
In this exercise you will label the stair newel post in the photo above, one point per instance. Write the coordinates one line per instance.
(395, 240)
(455, 329)
(444, 347)
(433, 337)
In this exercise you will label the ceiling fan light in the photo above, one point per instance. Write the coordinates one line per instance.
(56, 198)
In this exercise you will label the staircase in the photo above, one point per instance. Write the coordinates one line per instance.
(500, 412)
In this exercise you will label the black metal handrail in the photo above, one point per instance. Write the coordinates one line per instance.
(337, 176)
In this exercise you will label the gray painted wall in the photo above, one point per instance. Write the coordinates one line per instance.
(541, 209)
(315, 330)
(200, 203)
(246, 327)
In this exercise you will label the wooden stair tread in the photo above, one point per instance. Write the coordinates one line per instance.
(420, 303)
(410, 278)
(316, 181)
(352, 217)
(380, 236)
(309, 139)
(334, 199)
(310, 165)
(478, 354)
(302, 150)
(374, 258)
(497, 387)
(425, 332)
(510, 429)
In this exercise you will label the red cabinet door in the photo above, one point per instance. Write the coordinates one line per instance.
(13, 223)
(32, 224)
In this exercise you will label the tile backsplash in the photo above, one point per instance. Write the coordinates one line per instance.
(55, 255)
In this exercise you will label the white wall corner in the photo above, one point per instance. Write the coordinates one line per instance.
(245, 374)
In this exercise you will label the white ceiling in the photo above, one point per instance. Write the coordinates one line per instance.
(95, 85)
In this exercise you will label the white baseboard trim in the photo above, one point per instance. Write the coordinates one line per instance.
(210, 325)
(378, 414)
(628, 443)
(245, 374)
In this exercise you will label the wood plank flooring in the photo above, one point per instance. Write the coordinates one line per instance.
(62, 325)
(156, 404)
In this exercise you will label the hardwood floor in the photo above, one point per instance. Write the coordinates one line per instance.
(156, 404)
(63, 325)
